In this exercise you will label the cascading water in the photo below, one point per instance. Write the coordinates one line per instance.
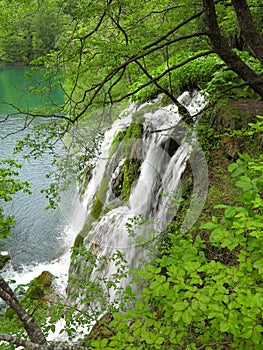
(138, 174)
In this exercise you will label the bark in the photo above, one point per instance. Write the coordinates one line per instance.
(32, 328)
(248, 29)
(221, 47)
(32, 346)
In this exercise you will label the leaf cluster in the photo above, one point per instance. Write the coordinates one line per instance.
(9, 186)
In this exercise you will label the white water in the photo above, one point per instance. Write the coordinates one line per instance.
(59, 266)
(154, 195)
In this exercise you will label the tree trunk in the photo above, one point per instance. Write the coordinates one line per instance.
(33, 330)
(248, 29)
(222, 48)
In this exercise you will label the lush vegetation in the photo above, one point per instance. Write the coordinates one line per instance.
(206, 290)
(29, 30)
(203, 290)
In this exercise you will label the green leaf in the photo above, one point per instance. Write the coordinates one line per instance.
(224, 326)
(256, 337)
(230, 212)
(259, 265)
(247, 333)
(209, 226)
(244, 183)
(187, 317)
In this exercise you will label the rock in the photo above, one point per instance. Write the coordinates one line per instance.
(40, 286)
(40, 289)
(4, 258)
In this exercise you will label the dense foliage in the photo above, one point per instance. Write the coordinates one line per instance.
(191, 300)
(29, 29)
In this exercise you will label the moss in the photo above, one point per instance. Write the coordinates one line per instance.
(78, 241)
(4, 258)
(96, 209)
(9, 313)
(100, 198)
(116, 141)
(130, 174)
(40, 286)
(95, 213)
(134, 130)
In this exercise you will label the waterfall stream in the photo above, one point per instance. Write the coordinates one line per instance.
(132, 196)
(160, 156)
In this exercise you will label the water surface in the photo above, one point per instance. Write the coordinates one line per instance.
(38, 235)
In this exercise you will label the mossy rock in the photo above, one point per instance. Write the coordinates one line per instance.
(78, 241)
(39, 286)
(9, 313)
(130, 175)
(129, 139)
(101, 328)
(116, 141)
(4, 258)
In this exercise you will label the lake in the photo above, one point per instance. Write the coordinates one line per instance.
(39, 234)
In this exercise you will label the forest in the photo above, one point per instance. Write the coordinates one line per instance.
(201, 287)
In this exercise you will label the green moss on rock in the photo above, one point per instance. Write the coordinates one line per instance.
(116, 141)
(40, 286)
(131, 149)
(134, 130)
(130, 174)
(4, 258)
(95, 213)
(130, 141)
(37, 290)
(78, 241)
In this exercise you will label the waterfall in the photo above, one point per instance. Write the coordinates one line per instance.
(138, 176)
(133, 194)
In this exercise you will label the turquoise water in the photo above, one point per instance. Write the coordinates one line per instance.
(38, 234)
(16, 84)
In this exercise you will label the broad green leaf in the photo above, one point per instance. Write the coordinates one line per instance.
(224, 326)
(230, 212)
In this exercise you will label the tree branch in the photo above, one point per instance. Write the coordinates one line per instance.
(172, 31)
(33, 346)
(248, 29)
(206, 53)
(98, 87)
(121, 29)
(33, 330)
(167, 9)
(181, 108)
(221, 47)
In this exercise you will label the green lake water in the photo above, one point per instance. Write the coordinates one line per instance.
(38, 234)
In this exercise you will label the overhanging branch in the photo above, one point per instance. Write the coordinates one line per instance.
(98, 87)
(192, 58)
(181, 108)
